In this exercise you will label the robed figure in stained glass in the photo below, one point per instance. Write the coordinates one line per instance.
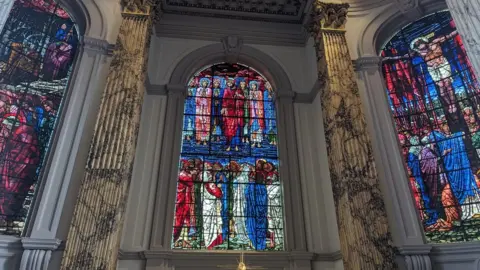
(458, 169)
(256, 208)
(217, 95)
(203, 108)
(233, 113)
(257, 122)
(246, 110)
(269, 108)
(184, 205)
(59, 54)
(211, 208)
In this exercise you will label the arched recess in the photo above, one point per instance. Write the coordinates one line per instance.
(63, 171)
(407, 230)
(66, 159)
(385, 24)
(166, 189)
(248, 55)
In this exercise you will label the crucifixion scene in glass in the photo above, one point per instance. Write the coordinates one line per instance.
(434, 96)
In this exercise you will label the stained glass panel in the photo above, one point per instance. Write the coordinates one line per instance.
(229, 195)
(434, 98)
(37, 47)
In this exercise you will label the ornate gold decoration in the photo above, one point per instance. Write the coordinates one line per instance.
(241, 265)
(327, 16)
(138, 7)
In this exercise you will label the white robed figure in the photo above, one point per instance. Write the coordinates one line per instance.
(211, 207)
(239, 184)
(275, 215)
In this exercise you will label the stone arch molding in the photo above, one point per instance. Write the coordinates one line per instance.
(240, 53)
(232, 50)
(94, 18)
(98, 24)
(387, 23)
(406, 228)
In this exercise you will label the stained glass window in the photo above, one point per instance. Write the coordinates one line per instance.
(37, 47)
(229, 195)
(435, 101)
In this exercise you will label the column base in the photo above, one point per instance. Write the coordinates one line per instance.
(38, 253)
(414, 257)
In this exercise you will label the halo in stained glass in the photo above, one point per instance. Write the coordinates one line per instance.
(434, 98)
(37, 47)
(229, 195)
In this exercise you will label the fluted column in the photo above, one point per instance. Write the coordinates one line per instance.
(465, 14)
(362, 220)
(94, 235)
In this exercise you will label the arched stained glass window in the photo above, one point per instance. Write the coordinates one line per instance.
(434, 98)
(229, 195)
(37, 47)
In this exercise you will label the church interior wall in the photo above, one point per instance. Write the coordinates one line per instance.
(321, 228)
(298, 62)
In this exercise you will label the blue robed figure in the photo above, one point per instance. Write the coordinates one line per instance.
(457, 165)
(256, 209)
(269, 107)
(189, 119)
(413, 162)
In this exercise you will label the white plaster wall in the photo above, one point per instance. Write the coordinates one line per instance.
(298, 62)
(357, 24)
(321, 223)
(165, 53)
(141, 200)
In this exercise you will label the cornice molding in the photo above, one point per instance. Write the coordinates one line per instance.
(271, 11)
(216, 29)
(38, 243)
(96, 45)
(367, 63)
(198, 256)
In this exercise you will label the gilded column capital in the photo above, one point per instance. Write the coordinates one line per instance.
(328, 16)
(147, 8)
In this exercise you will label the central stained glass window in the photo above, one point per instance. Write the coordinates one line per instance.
(229, 195)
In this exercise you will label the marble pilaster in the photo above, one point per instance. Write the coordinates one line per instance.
(48, 227)
(407, 232)
(362, 220)
(95, 232)
(466, 16)
(5, 7)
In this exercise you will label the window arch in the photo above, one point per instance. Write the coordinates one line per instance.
(37, 48)
(229, 195)
(434, 98)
